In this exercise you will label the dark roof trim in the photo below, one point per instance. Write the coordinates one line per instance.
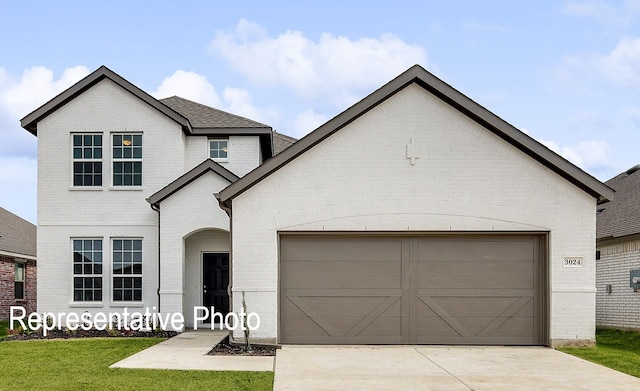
(190, 176)
(30, 122)
(455, 98)
(230, 131)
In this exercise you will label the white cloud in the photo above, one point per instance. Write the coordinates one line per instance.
(592, 156)
(188, 85)
(333, 66)
(239, 102)
(196, 87)
(36, 86)
(622, 64)
(307, 121)
(597, 9)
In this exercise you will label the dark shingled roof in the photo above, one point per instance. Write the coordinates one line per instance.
(16, 234)
(281, 142)
(621, 217)
(201, 116)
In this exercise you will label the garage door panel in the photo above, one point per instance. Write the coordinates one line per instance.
(507, 249)
(342, 275)
(476, 274)
(341, 249)
(473, 306)
(458, 289)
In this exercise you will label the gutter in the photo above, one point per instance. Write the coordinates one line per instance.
(156, 208)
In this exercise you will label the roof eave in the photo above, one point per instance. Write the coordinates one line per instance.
(30, 121)
(188, 177)
(444, 91)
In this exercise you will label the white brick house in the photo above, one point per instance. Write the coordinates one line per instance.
(618, 254)
(415, 216)
(126, 212)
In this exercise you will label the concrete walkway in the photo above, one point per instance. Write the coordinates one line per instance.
(188, 351)
(441, 368)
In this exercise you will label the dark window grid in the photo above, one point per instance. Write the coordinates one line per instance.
(87, 146)
(218, 149)
(127, 146)
(87, 288)
(127, 173)
(127, 288)
(87, 173)
(87, 265)
(87, 153)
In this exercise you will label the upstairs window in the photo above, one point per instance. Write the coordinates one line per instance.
(87, 159)
(127, 160)
(219, 149)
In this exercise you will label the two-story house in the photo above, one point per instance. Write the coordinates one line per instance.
(126, 210)
(416, 216)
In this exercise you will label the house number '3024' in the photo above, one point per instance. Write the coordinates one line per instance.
(572, 261)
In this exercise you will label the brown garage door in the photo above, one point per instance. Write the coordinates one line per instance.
(437, 289)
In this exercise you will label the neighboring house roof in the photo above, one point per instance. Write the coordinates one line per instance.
(17, 236)
(281, 142)
(194, 118)
(446, 93)
(621, 217)
(190, 176)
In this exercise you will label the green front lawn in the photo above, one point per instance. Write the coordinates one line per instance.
(83, 364)
(615, 349)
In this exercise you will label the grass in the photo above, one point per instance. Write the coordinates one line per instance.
(83, 364)
(615, 349)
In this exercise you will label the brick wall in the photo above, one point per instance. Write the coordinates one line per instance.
(621, 307)
(7, 293)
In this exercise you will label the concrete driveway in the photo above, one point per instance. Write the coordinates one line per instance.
(441, 368)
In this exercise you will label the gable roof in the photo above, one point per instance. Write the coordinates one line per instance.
(621, 217)
(30, 121)
(17, 236)
(194, 118)
(190, 176)
(451, 96)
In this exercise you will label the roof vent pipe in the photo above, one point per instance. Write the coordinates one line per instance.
(633, 169)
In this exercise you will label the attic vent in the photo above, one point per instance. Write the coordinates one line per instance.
(633, 169)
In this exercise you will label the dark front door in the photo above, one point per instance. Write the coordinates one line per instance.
(216, 280)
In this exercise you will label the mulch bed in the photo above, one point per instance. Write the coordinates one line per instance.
(68, 334)
(225, 348)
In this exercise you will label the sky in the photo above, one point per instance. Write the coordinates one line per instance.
(565, 72)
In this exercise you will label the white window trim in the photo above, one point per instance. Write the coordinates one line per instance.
(219, 160)
(114, 160)
(73, 160)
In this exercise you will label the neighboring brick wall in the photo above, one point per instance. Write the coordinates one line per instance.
(621, 307)
(7, 280)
